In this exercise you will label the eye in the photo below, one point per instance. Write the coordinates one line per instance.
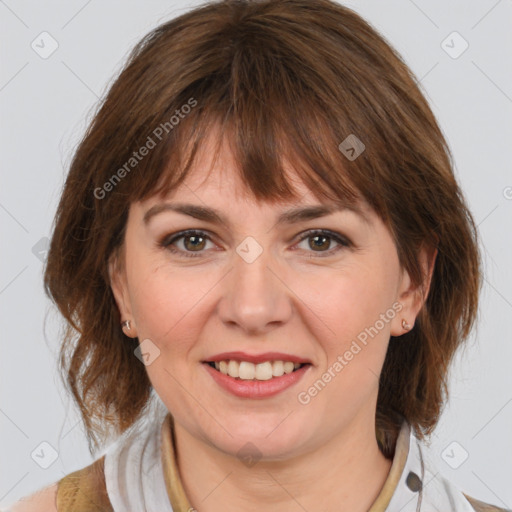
(320, 240)
(193, 242)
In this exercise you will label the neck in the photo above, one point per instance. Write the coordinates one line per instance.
(347, 473)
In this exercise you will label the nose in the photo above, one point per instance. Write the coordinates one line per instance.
(255, 297)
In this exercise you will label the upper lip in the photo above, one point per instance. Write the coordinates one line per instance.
(257, 358)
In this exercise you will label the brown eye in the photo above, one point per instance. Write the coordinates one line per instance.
(193, 242)
(320, 241)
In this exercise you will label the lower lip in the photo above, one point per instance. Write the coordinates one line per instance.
(256, 388)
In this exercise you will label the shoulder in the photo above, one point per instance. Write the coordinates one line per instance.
(83, 490)
(44, 499)
(480, 506)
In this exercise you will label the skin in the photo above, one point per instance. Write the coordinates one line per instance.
(291, 299)
(43, 499)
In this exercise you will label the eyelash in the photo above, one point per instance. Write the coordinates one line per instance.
(166, 242)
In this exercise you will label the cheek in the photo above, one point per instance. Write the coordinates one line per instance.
(345, 303)
(353, 341)
(168, 303)
(352, 321)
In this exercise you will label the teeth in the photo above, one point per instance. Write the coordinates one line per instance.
(247, 371)
(277, 368)
(288, 367)
(261, 371)
(233, 369)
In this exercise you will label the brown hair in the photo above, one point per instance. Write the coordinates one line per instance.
(286, 80)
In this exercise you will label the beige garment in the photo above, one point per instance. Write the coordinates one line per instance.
(84, 490)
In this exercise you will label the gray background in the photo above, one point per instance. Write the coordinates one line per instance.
(45, 105)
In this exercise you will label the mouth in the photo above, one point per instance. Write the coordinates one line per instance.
(263, 371)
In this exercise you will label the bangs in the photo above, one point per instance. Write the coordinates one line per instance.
(272, 112)
(267, 151)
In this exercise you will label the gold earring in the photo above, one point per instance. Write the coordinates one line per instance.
(405, 325)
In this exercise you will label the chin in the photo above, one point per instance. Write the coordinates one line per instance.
(265, 440)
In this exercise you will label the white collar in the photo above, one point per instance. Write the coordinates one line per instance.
(421, 487)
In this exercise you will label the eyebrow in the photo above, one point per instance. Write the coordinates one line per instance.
(292, 216)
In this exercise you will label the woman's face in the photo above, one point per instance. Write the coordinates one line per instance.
(250, 285)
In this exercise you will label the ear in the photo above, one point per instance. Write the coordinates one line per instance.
(412, 297)
(119, 285)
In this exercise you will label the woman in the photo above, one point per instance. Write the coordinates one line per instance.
(266, 266)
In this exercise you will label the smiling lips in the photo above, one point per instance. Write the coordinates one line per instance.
(255, 387)
(241, 365)
(246, 370)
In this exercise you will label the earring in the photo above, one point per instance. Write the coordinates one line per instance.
(126, 324)
(405, 325)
